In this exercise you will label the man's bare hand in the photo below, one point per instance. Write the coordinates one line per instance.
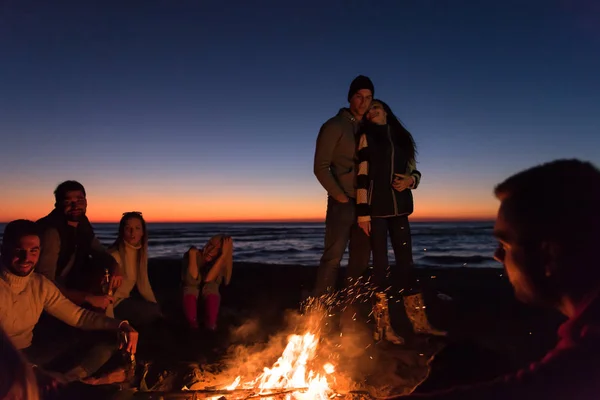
(342, 198)
(402, 182)
(101, 302)
(131, 338)
(48, 382)
(116, 279)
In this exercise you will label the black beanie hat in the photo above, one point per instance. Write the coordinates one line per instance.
(360, 82)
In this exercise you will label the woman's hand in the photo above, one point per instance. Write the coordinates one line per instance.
(366, 227)
(227, 243)
(402, 182)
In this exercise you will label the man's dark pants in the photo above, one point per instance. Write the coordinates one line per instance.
(58, 347)
(340, 228)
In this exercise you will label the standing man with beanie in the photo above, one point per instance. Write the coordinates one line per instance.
(335, 168)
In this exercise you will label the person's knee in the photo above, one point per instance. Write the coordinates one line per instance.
(334, 251)
(191, 290)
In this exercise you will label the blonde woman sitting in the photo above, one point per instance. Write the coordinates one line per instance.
(204, 271)
(130, 250)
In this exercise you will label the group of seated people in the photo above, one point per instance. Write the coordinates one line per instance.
(51, 288)
(548, 229)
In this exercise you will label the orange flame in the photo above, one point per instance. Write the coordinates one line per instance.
(291, 371)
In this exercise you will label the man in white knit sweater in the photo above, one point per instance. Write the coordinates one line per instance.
(24, 294)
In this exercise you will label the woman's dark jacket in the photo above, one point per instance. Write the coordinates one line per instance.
(380, 156)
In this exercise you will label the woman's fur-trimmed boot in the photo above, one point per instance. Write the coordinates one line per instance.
(383, 327)
(415, 310)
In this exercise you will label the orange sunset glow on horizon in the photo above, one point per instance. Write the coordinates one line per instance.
(177, 205)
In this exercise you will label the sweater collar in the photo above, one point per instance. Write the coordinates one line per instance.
(16, 283)
(130, 247)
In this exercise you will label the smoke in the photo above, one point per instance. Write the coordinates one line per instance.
(340, 321)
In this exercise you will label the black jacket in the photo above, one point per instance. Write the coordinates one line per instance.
(64, 245)
(380, 156)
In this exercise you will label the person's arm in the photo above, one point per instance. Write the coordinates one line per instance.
(327, 140)
(362, 181)
(59, 306)
(557, 378)
(50, 243)
(48, 261)
(192, 276)
(222, 265)
(414, 173)
(100, 253)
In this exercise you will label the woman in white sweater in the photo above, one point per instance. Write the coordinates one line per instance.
(134, 300)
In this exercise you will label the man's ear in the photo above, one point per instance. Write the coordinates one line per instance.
(550, 253)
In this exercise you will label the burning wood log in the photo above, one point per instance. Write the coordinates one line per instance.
(215, 393)
(219, 394)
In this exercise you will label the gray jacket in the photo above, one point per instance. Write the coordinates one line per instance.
(335, 164)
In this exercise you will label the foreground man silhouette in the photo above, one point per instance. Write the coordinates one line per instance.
(548, 229)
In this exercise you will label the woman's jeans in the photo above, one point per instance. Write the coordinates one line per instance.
(399, 233)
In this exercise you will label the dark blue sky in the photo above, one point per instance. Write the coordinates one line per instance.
(225, 99)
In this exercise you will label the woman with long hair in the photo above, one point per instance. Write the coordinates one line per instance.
(134, 300)
(204, 270)
(387, 175)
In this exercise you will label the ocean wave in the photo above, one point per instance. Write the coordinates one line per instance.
(434, 244)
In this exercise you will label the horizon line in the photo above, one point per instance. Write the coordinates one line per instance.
(292, 220)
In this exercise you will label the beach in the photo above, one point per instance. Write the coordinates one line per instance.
(490, 333)
(275, 265)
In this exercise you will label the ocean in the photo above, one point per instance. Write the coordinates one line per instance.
(435, 244)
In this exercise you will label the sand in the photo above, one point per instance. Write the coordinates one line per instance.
(490, 333)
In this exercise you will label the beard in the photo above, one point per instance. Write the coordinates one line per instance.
(75, 215)
(21, 269)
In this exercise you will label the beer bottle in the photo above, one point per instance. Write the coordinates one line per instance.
(106, 289)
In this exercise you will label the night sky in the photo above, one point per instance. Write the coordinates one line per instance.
(209, 110)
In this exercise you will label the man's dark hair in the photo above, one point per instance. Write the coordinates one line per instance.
(67, 186)
(14, 231)
(560, 202)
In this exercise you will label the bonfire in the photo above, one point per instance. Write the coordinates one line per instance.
(291, 374)
(304, 370)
